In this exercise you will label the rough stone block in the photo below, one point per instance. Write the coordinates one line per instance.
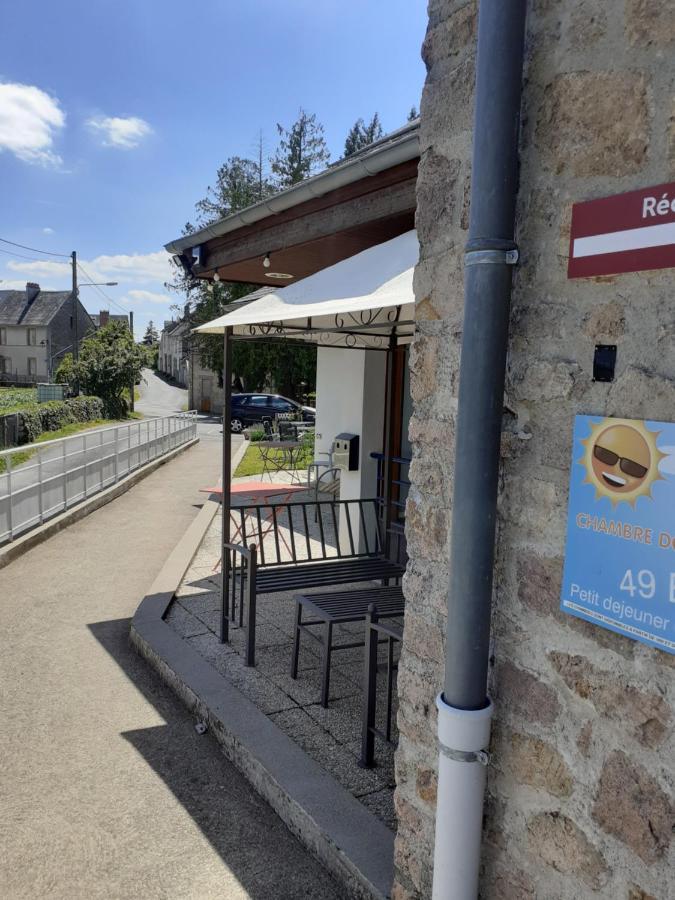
(561, 844)
(535, 762)
(423, 638)
(640, 393)
(614, 697)
(526, 695)
(578, 128)
(631, 806)
(427, 785)
(512, 884)
(650, 22)
(413, 849)
(543, 380)
(539, 579)
(437, 195)
(588, 23)
(607, 321)
(636, 893)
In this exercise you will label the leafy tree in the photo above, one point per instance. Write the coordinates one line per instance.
(285, 366)
(64, 373)
(302, 150)
(413, 114)
(108, 363)
(360, 134)
(151, 335)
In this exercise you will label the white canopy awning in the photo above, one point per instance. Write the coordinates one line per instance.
(358, 302)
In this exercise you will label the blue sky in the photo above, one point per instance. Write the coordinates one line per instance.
(114, 116)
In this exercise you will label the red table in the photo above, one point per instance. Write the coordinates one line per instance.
(257, 493)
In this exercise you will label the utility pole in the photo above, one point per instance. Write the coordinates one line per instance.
(132, 386)
(76, 329)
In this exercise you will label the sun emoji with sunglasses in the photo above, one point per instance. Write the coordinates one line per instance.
(621, 460)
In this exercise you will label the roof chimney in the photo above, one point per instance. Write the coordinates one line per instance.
(32, 290)
(104, 317)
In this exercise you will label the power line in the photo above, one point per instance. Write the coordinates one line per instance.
(23, 256)
(35, 250)
(62, 256)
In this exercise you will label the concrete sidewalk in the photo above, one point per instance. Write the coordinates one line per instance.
(107, 789)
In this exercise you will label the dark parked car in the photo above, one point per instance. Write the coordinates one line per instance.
(250, 409)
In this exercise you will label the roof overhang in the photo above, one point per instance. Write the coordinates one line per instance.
(365, 301)
(362, 201)
(398, 147)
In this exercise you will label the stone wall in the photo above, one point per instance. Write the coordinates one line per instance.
(581, 785)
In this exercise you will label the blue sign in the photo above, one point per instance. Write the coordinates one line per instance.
(620, 553)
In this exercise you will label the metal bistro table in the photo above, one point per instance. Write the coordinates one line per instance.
(281, 456)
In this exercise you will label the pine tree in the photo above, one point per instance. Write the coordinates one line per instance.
(239, 183)
(302, 150)
(360, 135)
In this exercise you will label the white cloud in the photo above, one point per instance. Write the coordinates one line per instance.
(119, 132)
(29, 119)
(48, 230)
(150, 297)
(138, 268)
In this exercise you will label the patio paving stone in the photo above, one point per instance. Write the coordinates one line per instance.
(183, 622)
(332, 737)
(200, 603)
(302, 729)
(344, 767)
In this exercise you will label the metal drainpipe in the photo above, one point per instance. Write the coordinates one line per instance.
(464, 710)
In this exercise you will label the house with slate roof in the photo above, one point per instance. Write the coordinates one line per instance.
(37, 329)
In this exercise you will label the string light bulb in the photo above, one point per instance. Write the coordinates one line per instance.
(266, 262)
(216, 277)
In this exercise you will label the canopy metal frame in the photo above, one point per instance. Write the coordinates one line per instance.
(387, 341)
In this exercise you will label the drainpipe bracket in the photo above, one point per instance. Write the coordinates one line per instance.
(479, 756)
(491, 257)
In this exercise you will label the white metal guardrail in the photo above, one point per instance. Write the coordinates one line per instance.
(63, 472)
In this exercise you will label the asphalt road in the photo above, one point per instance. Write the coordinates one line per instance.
(158, 397)
(108, 791)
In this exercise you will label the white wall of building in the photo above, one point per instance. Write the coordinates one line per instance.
(350, 397)
(17, 351)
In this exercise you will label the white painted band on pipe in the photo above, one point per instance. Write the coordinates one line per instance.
(459, 807)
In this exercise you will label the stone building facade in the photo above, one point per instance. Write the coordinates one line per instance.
(581, 782)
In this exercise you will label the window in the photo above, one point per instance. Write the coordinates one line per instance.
(32, 365)
(32, 337)
(5, 365)
(259, 401)
(281, 405)
(3, 335)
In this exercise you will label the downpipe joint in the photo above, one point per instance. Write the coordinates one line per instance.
(463, 736)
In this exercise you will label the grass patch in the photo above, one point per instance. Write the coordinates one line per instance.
(14, 399)
(22, 456)
(252, 462)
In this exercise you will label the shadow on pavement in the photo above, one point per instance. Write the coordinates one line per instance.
(245, 832)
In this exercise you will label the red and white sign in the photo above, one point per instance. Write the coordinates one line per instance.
(625, 233)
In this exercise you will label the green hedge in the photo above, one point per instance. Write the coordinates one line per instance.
(51, 416)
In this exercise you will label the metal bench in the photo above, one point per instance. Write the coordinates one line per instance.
(339, 608)
(298, 553)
